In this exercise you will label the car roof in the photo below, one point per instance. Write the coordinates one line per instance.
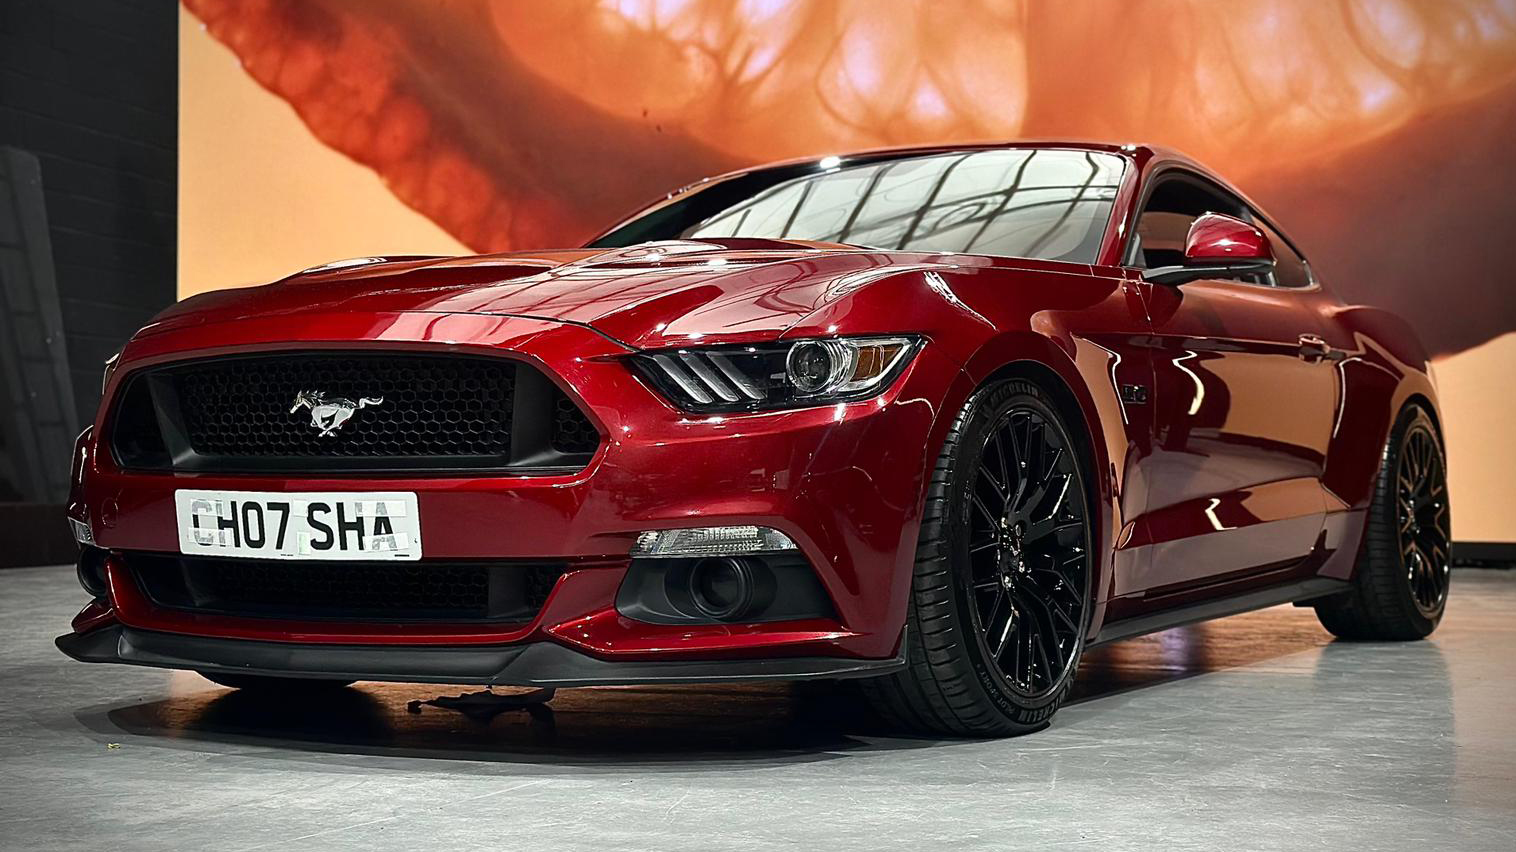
(1144, 156)
(1141, 152)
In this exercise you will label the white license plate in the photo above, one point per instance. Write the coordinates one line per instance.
(299, 525)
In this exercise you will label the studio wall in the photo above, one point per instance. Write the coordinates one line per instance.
(87, 87)
(1378, 131)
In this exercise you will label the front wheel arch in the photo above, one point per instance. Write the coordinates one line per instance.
(1087, 435)
(1067, 405)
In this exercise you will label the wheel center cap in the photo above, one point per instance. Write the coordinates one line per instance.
(1011, 541)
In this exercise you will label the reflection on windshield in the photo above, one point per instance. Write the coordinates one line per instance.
(1038, 203)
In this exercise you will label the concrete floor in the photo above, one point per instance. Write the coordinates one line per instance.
(1256, 732)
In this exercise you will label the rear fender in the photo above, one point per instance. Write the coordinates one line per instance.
(1386, 368)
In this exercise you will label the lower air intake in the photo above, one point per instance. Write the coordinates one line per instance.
(510, 593)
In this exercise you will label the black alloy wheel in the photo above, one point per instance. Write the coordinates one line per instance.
(1421, 504)
(1401, 579)
(1027, 560)
(1000, 592)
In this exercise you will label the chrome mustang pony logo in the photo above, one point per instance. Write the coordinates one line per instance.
(329, 415)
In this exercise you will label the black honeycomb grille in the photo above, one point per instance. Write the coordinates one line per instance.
(572, 431)
(411, 405)
(398, 411)
(373, 591)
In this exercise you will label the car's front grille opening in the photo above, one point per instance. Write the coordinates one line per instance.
(503, 592)
(327, 412)
(405, 406)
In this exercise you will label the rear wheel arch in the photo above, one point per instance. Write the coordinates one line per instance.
(1381, 603)
(1377, 394)
(1421, 401)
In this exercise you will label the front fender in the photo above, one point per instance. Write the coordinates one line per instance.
(1062, 326)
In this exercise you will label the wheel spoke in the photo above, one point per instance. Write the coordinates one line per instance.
(1036, 449)
(1027, 650)
(1060, 571)
(1018, 446)
(1001, 492)
(1042, 600)
(1440, 523)
(1005, 632)
(1032, 501)
(989, 620)
(1046, 623)
(1005, 473)
(1039, 653)
(1063, 492)
(1039, 530)
(989, 514)
(1405, 482)
(1014, 672)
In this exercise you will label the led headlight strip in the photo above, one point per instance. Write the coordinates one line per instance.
(777, 375)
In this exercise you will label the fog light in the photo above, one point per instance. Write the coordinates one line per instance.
(91, 572)
(722, 588)
(711, 541)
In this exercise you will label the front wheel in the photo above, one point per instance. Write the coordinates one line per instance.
(1400, 584)
(1000, 593)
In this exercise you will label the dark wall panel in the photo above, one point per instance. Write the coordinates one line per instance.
(90, 88)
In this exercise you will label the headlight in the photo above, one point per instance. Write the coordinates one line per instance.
(777, 375)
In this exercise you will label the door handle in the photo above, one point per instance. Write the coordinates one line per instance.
(1313, 348)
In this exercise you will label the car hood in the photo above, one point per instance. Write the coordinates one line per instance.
(660, 293)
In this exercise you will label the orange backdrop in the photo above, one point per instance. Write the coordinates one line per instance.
(1379, 131)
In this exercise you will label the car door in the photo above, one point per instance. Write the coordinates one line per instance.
(1241, 410)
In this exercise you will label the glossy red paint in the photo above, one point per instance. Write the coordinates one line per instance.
(1209, 485)
(1217, 236)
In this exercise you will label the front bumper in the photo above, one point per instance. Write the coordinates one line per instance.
(844, 482)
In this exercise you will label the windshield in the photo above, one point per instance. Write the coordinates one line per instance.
(1050, 204)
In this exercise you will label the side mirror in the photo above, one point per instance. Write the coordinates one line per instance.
(1217, 246)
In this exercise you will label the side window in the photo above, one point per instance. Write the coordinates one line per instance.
(1290, 269)
(1177, 202)
(1165, 220)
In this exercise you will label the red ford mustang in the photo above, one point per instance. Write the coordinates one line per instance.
(936, 418)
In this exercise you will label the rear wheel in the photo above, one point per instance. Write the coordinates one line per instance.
(1400, 585)
(267, 684)
(1001, 587)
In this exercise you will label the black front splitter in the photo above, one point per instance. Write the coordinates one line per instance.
(545, 664)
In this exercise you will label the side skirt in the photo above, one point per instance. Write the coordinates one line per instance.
(1302, 590)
